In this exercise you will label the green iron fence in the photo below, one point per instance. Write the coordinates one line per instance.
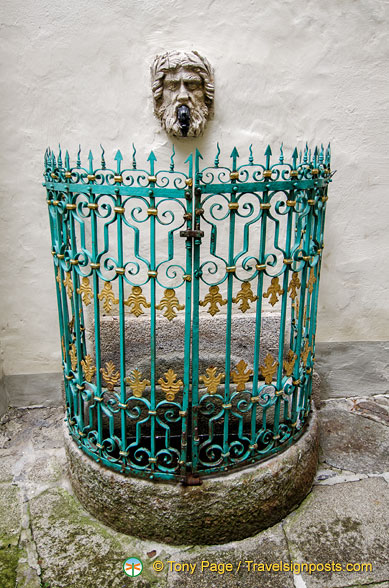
(134, 248)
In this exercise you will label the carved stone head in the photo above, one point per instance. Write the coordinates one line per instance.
(183, 89)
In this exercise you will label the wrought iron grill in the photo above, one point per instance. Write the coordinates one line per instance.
(161, 245)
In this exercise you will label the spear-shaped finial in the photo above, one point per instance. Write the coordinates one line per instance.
(67, 161)
(189, 161)
(133, 157)
(79, 156)
(328, 155)
(217, 156)
(198, 156)
(152, 159)
(118, 159)
(234, 155)
(281, 153)
(59, 155)
(102, 157)
(295, 157)
(315, 157)
(45, 158)
(305, 158)
(268, 154)
(321, 154)
(172, 159)
(251, 158)
(90, 159)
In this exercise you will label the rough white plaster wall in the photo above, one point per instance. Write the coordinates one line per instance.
(290, 70)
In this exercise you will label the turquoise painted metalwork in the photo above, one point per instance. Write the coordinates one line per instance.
(110, 259)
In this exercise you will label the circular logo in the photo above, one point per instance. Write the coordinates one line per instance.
(132, 567)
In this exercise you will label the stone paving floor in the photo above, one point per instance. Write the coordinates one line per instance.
(48, 540)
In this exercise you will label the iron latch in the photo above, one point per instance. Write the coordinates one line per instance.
(192, 233)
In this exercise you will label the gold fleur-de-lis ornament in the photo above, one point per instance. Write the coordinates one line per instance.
(241, 375)
(170, 302)
(211, 380)
(273, 291)
(136, 383)
(171, 386)
(269, 369)
(213, 298)
(244, 295)
(136, 300)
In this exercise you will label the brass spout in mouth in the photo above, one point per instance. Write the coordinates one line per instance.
(183, 115)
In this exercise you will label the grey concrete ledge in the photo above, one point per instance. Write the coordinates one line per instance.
(222, 509)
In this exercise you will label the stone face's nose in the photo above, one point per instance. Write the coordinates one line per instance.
(183, 94)
(183, 115)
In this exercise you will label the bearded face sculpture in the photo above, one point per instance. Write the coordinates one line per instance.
(183, 89)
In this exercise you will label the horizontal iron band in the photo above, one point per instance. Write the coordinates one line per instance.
(54, 176)
(74, 262)
(296, 382)
(69, 377)
(315, 172)
(306, 257)
(311, 202)
(117, 179)
(278, 392)
(152, 412)
(187, 278)
(123, 453)
(152, 211)
(181, 462)
(80, 387)
(294, 173)
(230, 269)
(81, 433)
(260, 267)
(152, 273)
(233, 205)
(199, 211)
(234, 175)
(99, 446)
(71, 206)
(95, 265)
(291, 203)
(225, 454)
(182, 413)
(294, 424)
(288, 261)
(255, 399)
(68, 174)
(119, 209)
(276, 437)
(71, 422)
(152, 460)
(98, 398)
(121, 405)
(93, 205)
(152, 179)
(120, 270)
(60, 256)
(189, 182)
(255, 446)
(226, 406)
(91, 177)
(265, 206)
(267, 173)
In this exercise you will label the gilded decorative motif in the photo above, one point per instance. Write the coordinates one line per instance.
(136, 383)
(71, 325)
(86, 291)
(170, 302)
(171, 386)
(136, 300)
(305, 352)
(311, 281)
(213, 298)
(211, 380)
(68, 284)
(244, 295)
(296, 306)
(73, 356)
(294, 285)
(58, 278)
(241, 375)
(88, 368)
(289, 362)
(108, 296)
(273, 291)
(110, 375)
(269, 369)
(63, 347)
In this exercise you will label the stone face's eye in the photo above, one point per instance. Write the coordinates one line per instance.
(172, 84)
(193, 85)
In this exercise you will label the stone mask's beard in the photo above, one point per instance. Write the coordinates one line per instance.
(167, 113)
